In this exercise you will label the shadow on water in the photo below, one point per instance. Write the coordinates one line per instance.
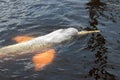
(97, 42)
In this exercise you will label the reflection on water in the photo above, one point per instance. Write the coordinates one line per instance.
(97, 42)
(96, 9)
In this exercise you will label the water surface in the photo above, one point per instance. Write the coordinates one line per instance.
(90, 57)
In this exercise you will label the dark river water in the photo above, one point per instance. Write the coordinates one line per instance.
(90, 57)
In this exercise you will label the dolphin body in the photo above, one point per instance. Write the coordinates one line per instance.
(39, 43)
(42, 42)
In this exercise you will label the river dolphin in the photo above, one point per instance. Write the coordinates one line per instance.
(39, 43)
(36, 45)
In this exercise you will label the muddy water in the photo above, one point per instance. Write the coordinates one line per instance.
(90, 57)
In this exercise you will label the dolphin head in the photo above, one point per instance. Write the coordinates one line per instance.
(61, 35)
